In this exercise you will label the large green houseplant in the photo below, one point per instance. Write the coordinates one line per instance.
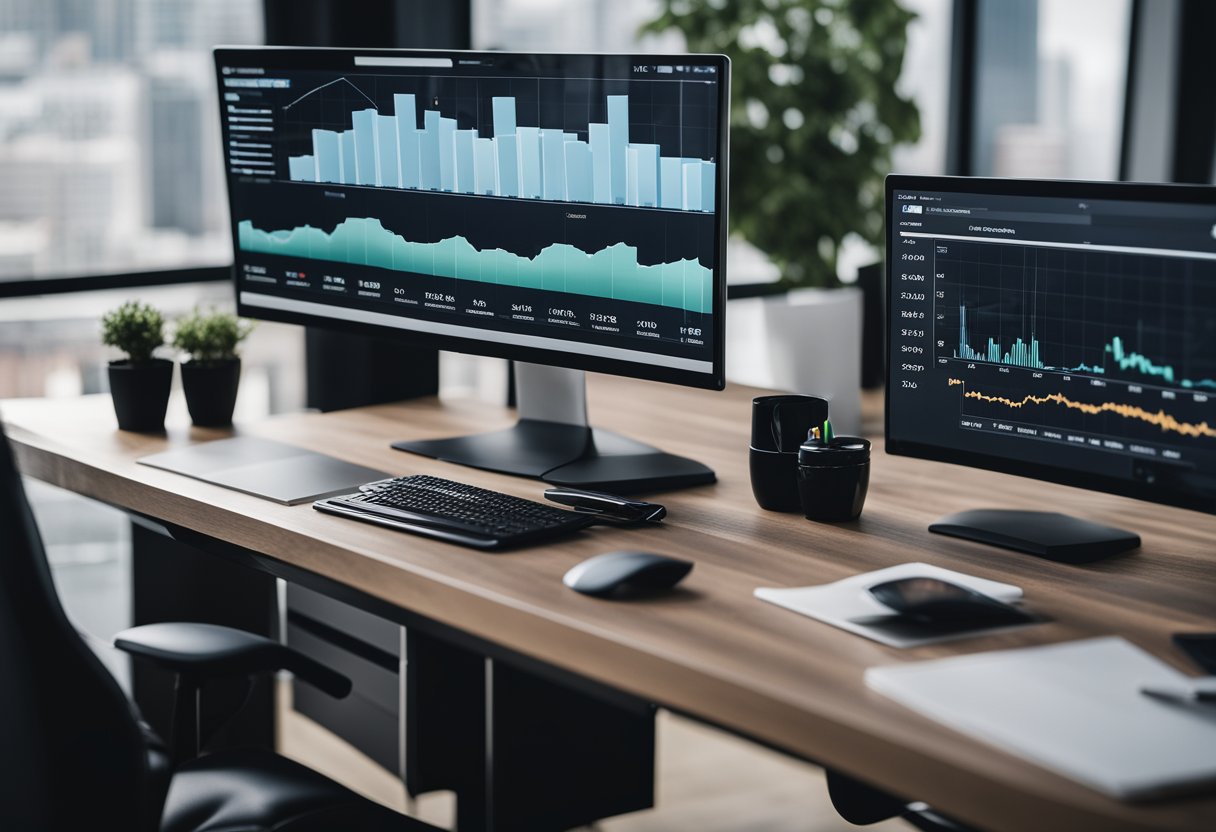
(815, 114)
(212, 374)
(140, 382)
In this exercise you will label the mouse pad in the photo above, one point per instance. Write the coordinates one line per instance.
(848, 605)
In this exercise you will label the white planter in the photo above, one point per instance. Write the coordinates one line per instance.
(813, 345)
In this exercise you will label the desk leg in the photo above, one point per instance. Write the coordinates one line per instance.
(445, 719)
(522, 747)
(175, 582)
(563, 756)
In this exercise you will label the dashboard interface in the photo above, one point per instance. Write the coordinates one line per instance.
(1068, 334)
(570, 203)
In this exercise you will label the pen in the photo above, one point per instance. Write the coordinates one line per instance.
(1195, 690)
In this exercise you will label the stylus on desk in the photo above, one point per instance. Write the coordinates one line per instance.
(1200, 691)
(610, 508)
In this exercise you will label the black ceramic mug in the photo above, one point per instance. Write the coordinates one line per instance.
(779, 427)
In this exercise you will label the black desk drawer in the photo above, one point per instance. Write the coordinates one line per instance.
(368, 668)
(362, 647)
(359, 721)
(360, 625)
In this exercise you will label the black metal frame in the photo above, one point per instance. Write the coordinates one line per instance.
(127, 280)
(1040, 188)
(1195, 105)
(1129, 97)
(960, 127)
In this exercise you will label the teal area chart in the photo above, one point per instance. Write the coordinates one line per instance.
(612, 272)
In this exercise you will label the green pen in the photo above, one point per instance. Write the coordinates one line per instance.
(827, 431)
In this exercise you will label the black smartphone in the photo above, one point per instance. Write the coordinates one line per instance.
(1200, 647)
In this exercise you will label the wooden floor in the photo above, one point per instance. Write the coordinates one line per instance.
(707, 781)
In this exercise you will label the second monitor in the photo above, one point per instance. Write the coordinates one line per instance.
(568, 211)
(1058, 330)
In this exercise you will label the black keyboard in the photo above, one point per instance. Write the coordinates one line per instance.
(455, 512)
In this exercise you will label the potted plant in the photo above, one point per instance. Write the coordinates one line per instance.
(213, 372)
(816, 111)
(139, 383)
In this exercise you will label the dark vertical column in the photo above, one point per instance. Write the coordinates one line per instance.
(523, 746)
(425, 24)
(1169, 114)
(345, 370)
(961, 120)
(872, 281)
(1195, 107)
(445, 725)
(1129, 87)
(562, 757)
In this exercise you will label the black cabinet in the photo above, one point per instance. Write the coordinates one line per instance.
(363, 647)
(523, 745)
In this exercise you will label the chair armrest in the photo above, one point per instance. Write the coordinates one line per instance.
(209, 650)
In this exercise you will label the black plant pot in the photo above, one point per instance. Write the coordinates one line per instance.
(141, 393)
(210, 388)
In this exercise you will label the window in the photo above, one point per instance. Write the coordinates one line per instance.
(1049, 88)
(559, 25)
(926, 78)
(109, 143)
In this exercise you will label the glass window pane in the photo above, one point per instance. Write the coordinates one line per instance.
(109, 141)
(925, 77)
(1050, 80)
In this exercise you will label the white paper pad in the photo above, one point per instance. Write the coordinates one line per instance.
(847, 604)
(1075, 708)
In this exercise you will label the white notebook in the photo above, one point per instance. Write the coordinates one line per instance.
(1075, 708)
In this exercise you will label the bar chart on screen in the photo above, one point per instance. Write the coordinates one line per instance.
(562, 144)
(1108, 314)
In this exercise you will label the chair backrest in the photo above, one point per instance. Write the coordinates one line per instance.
(71, 754)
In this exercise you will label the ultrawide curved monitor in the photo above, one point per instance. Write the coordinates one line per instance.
(557, 209)
(1058, 330)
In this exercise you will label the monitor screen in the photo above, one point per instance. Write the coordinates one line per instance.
(1059, 330)
(559, 209)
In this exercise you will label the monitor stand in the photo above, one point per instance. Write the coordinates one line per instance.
(1045, 534)
(552, 441)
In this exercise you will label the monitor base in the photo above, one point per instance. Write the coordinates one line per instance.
(572, 455)
(553, 441)
(1044, 534)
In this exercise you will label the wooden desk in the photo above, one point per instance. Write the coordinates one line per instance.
(711, 651)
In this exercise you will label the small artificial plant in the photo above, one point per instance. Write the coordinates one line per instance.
(210, 337)
(136, 328)
(815, 113)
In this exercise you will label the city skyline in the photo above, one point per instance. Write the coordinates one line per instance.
(109, 139)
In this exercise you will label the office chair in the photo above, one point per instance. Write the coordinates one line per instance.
(861, 805)
(73, 754)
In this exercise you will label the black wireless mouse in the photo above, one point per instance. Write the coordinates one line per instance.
(605, 574)
(935, 601)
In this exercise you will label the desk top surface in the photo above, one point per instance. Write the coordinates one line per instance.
(711, 650)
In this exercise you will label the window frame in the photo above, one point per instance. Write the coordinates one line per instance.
(27, 287)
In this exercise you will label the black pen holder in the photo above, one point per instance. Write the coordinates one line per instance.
(833, 478)
(779, 426)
